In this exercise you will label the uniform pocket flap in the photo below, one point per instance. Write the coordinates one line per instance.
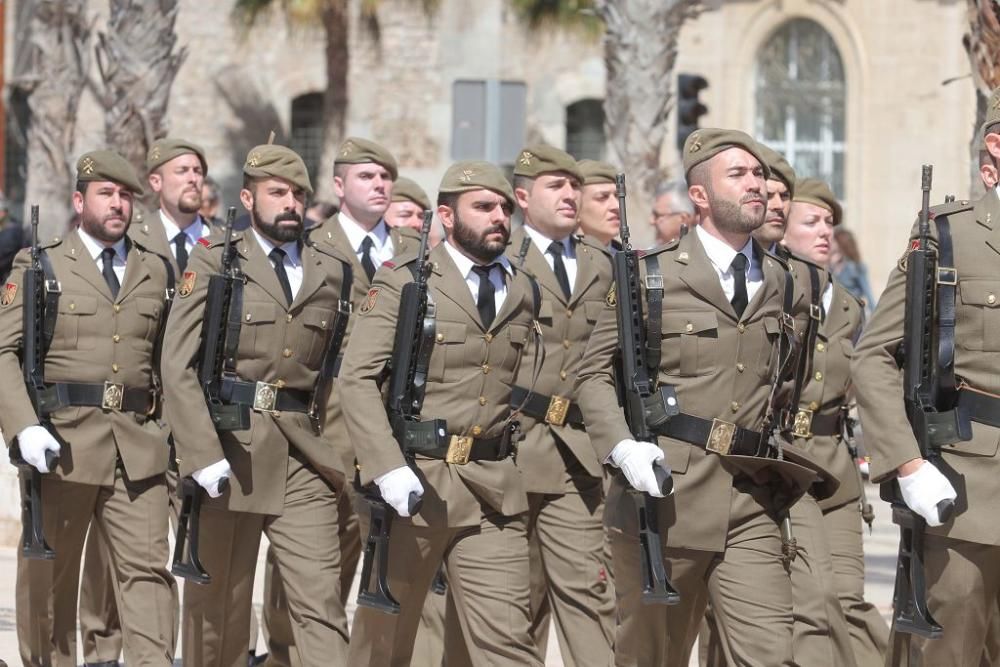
(148, 307)
(450, 332)
(545, 311)
(593, 310)
(980, 292)
(518, 333)
(259, 313)
(771, 325)
(317, 318)
(689, 323)
(75, 304)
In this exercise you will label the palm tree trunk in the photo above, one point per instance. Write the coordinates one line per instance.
(640, 48)
(335, 98)
(52, 63)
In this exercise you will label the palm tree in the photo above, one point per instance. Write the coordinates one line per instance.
(982, 43)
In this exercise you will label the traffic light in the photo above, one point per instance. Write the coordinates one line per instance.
(689, 107)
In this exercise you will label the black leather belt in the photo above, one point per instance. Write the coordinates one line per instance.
(266, 397)
(555, 410)
(462, 449)
(108, 396)
(980, 407)
(807, 424)
(715, 435)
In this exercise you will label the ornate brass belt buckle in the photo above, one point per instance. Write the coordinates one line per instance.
(112, 397)
(459, 448)
(265, 397)
(720, 438)
(558, 407)
(802, 428)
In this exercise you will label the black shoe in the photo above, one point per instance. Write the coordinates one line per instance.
(106, 663)
(254, 660)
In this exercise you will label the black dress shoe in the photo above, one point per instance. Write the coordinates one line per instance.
(106, 663)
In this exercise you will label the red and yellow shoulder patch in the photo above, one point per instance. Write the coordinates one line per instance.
(369, 303)
(8, 294)
(187, 283)
(390, 264)
(204, 241)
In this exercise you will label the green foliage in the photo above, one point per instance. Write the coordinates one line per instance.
(573, 14)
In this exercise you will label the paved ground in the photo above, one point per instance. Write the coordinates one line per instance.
(880, 557)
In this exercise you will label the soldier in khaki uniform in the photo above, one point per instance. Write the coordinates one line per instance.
(473, 517)
(563, 477)
(960, 556)
(600, 217)
(408, 203)
(112, 449)
(723, 329)
(285, 479)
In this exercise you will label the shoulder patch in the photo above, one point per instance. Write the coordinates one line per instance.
(204, 241)
(369, 303)
(8, 294)
(389, 263)
(948, 208)
(612, 298)
(187, 283)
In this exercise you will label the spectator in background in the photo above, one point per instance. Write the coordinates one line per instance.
(13, 237)
(851, 270)
(210, 203)
(673, 212)
(319, 211)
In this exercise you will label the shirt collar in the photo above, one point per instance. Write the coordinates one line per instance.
(95, 248)
(356, 233)
(465, 264)
(543, 242)
(194, 231)
(720, 252)
(291, 248)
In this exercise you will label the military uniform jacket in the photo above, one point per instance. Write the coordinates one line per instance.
(551, 456)
(828, 390)
(97, 339)
(972, 466)
(279, 344)
(331, 235)
(721, 366)
(469, 382)
(149, 231)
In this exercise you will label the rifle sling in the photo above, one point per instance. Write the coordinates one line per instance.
(234, 325)
(946, 306)
(808, 344)
(330, 366)
(654, 315)
(52, 292)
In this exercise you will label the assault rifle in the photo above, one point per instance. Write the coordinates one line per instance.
(638, 387)
(35, 340)
(219, 338)
(921, 395)
(407, 384)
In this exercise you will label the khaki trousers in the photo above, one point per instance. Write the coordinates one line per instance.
(487, 571)
(130, 525)
(747, 585)
(429, 645)
(100, 626)
(216, 617)
(868, 630)
(569, 575)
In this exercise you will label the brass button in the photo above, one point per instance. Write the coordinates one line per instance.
(248, 317)
(566, 343)
(488, 337)
(818, 375)
(72, 306)
(740, 367)
(991, 299)
(322, 323)
(477, 430)
(439, 338)
(569, 313)
(689, 327)
(482, 400)
(486, 369)
(683, 256)
(118, 308)
(286, 353)
(741, 327)
(116, 338)
(820, 347)
(734, 406)
(114, 368)
(814, 406)
(562, 375)
(280, 383)
(288, 318)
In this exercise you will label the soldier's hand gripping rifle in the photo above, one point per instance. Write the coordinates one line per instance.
(638, 387)
(407, 384)
(34, 341)
(219, 340)
(921, 396)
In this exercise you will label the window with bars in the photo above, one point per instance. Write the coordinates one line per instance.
(307, 131)
(800, 100)
(585, 130)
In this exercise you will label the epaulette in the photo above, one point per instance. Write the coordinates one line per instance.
(51, 243)
(592, 244)
(781, 260)
(669, 245)
(399, 261)
(947, 208)
(219, 240)
(408, 233)
(793, 257)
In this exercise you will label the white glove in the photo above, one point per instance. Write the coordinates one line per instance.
(33, 442)
(211, 476)
(642, 463)
(924, 489)
(396, 487)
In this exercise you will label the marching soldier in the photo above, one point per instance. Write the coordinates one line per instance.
(473, 514)
(600, 218)
(563, 477)
(285, 481)
(101, 419)
(724, 331)
(960, 553)
(408, 203)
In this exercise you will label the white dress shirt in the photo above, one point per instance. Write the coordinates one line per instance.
(721, 256)
(196, 230)
(569, 253)
(382, 249)
(292, 261)
(497, 277)
(95, 248)
(828, 298)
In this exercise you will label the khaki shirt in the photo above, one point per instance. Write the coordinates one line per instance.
(566, 327)
(97, 339)
(148, 230)
(279, 344)
(972, 466)
(471, 372)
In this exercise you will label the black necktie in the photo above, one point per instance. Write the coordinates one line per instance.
(278, 259)
(739, 301)
(366, 257)
(556, 249)
(181, 251)
(487, 300)
(108, 269)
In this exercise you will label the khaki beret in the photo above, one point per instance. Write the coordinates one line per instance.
(166, 149)
(780, 169)
(594, 172)
(816, 191)
(706, 143)
(476, 175)
(405, 189)
(540, 159)
(355, 150)
(108, 166)
(269, 160)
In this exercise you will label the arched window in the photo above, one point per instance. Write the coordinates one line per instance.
(307, 131)
(585, 130)
(800, 95)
